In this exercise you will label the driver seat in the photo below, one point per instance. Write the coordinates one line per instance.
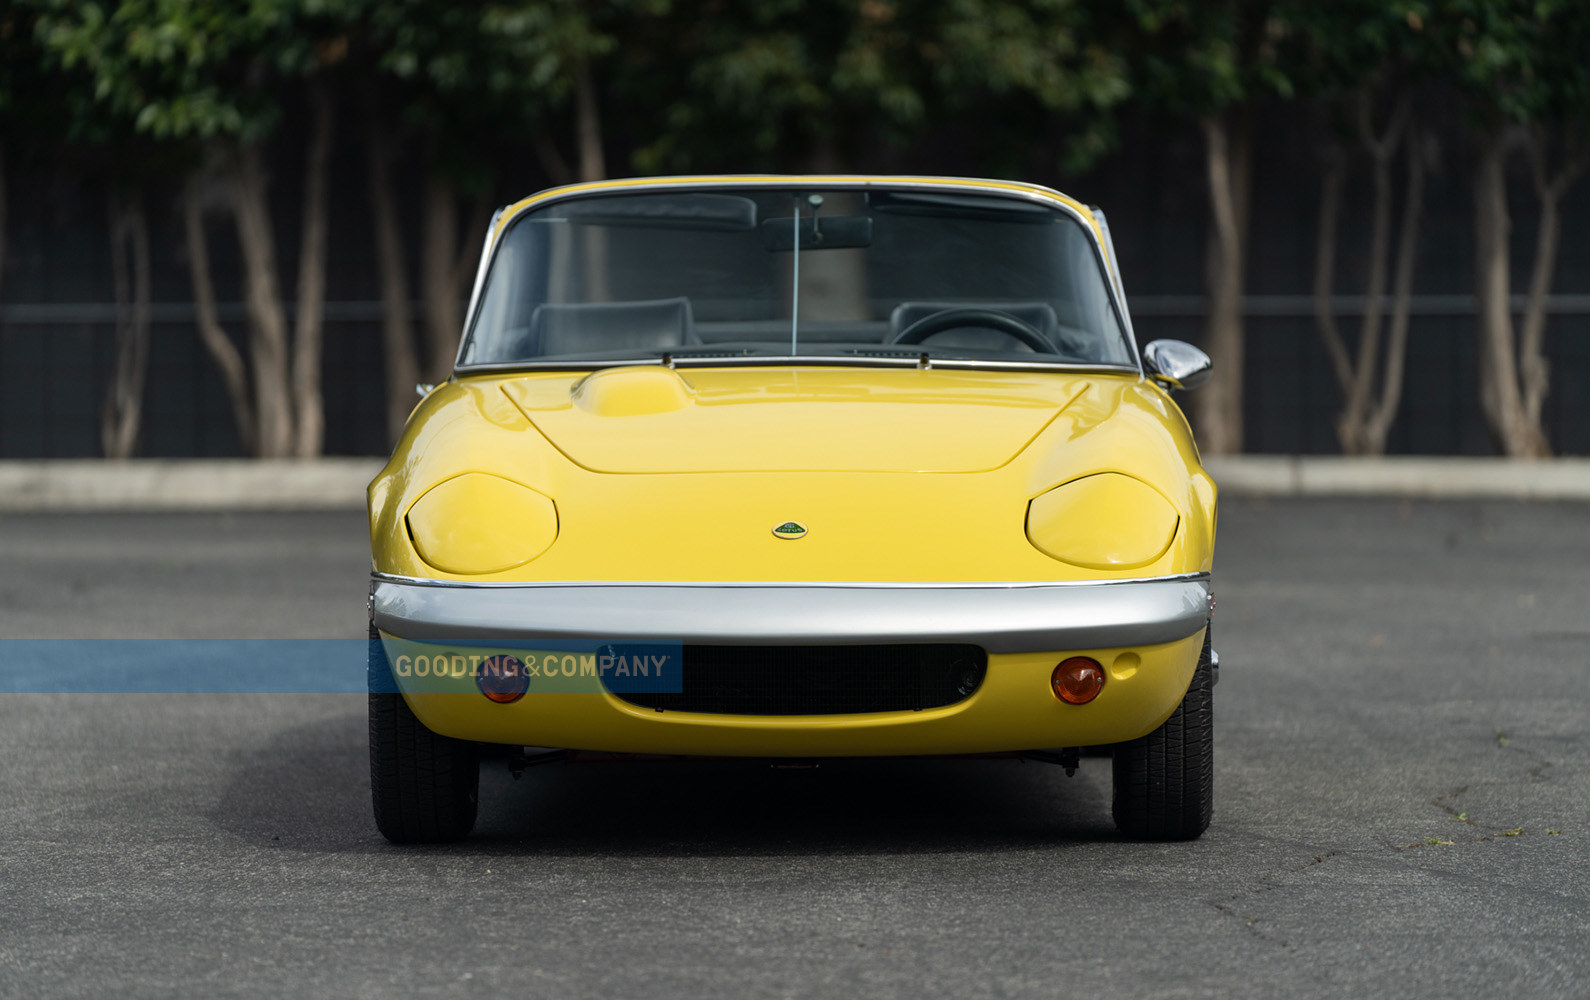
(1038, 315)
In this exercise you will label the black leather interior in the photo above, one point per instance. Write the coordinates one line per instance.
(653, 325)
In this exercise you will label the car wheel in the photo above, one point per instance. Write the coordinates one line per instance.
(423, 785)
(1164, 782)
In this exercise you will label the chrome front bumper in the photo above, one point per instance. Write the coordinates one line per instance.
(1000, 617)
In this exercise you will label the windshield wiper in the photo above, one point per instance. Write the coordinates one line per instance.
(669, 357)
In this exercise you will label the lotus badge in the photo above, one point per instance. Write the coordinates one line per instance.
(791, 530)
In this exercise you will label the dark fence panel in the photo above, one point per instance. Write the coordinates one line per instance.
(55, 377)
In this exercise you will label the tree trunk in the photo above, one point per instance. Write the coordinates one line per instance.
(1382, 148)
(1377, 424)
(1534, 371)
(552, 161)
(1500, 398)
(4, 203)
(593, 165)
(467, 263)
(446, 264)
(309, 416)
(268, 331)
(438, 294)
(439, 279)
(1371, 387)
(1218, 408)
(129, 255)
(1549, 189)
(833, 285)
(397, 329)
(1328, 224)
(234, 375)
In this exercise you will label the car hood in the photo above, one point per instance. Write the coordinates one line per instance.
(653, 419)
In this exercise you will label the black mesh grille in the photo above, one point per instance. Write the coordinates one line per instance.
(821, 680)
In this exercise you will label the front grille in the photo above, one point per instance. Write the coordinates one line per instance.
(821, 680)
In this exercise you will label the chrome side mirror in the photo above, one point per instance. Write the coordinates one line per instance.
(1176, 364)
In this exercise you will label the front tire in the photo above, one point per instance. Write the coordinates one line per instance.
(1164, 782)
(423, 785)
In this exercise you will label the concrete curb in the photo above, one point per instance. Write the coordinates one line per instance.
(1402, 476)
(61, 485)
(49, 485)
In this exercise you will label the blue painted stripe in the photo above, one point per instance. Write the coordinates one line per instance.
(48, 664)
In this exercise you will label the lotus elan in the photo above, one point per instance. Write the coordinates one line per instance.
(796, 468)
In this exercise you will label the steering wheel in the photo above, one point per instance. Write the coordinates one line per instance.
(988, 319)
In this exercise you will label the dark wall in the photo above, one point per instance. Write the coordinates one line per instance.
(57, 330)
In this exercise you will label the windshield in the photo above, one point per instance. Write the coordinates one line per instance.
(864, 275)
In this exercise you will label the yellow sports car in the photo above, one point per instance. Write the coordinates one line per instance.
(795, 467)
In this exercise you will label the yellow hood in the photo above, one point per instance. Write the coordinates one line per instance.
(899, 474)
(658, 420)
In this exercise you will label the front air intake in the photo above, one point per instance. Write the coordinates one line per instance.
(821, 680)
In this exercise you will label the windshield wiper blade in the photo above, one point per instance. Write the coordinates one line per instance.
(689, 354)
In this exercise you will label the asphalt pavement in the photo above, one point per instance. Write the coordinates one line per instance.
(1402, 799)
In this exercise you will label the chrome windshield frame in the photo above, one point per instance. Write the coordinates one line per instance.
(804, 361)
(504, 220)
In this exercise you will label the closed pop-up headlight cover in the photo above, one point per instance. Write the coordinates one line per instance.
(477, 523)
(1103, 521)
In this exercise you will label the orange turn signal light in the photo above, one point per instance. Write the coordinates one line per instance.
(503, 679)
(1077, 680)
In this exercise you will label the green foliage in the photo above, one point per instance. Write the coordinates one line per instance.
(1200, 57)
(770, 80)
(1048, 54)
(1524, 61)
(1348, 44)
(774, 80)
(785, 84)
(471, 79)
(800, 82)
(189, 69)
(499, 58)
(1048, 49)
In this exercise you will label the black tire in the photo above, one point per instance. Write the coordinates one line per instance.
(1164, 782)
(423, 785)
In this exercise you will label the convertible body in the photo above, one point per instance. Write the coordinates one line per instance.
(795, 468)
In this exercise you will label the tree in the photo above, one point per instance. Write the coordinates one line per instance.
(1520, 67)
(1211, 62)
(1370, 376)
(55, 109)
(1361, 56)
(455, 87)
(127, 226)
(210, 77)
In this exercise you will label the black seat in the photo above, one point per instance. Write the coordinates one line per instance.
(653, 325)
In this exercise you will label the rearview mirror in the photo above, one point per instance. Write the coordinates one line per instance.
(1176, 363)
(835, 232)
